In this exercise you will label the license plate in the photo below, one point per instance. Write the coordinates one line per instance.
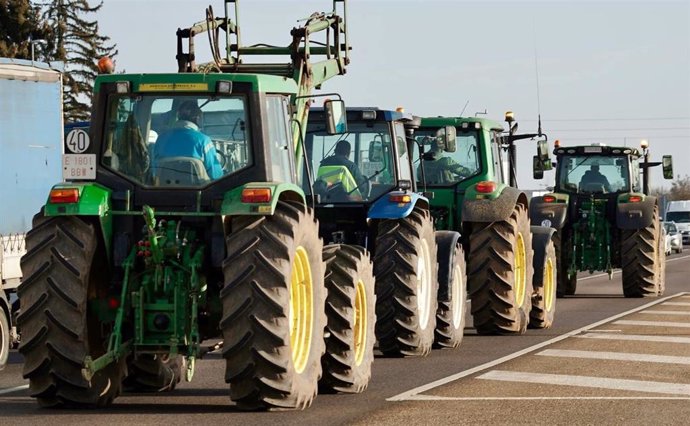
(79, 166)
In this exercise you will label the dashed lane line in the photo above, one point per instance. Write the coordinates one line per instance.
(546, 398)
(14, 389)
(654, 323)
(661, 312)
(589, 382)
(453, 377)
(639, 337)
(616, 356)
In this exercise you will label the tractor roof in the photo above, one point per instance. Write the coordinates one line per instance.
(197, 82)
(486, 123)
(364, 114)
(596, 149)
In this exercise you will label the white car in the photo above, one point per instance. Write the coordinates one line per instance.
(673, 237)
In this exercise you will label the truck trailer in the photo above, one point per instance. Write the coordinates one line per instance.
(31, 141)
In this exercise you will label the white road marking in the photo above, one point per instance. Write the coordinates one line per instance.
(660, 312)
(655, 323)
(617, 356)
(618, 271)
(676, 304)
(453, 377)
(644, 338)
(14, 389)
(541, 398)
(589, 382)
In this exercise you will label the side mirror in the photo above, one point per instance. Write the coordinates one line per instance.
(336, 118)
(375, 151)
(667, 166)
(450, 134)
(543, 155)
(537, 168)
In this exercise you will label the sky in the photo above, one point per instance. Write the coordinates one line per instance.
(611, 72)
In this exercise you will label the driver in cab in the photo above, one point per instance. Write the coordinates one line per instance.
(340, 157)
(186, 140)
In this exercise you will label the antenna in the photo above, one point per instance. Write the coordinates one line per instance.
(465, 107)
(536, 71)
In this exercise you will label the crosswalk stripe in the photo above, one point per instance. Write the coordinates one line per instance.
(588, 382)
(644, 338)
(617, 356)
(658, 312)
(654, 323)
(14, 389)
(675, 304)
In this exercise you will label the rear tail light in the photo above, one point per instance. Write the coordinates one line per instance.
(549, 199)
(400, 198)
(634, 199)
(486, 187)
(64, 195)
(256, 195)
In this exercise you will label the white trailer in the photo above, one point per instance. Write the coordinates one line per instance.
(31, 147)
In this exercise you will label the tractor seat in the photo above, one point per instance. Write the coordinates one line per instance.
(181, 171)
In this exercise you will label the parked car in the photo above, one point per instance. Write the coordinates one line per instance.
(679, 212)
(674, 237)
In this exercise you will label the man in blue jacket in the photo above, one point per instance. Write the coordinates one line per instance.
(186, 140)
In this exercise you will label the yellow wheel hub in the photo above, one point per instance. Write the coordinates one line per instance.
(360, 326)
(520, 270)
(549, 286)
(301, 314)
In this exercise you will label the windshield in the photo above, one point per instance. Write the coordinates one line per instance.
(678, 217)
(176, 140)
(443, 168)
(670, 227)
(593, 173)
(352, 167)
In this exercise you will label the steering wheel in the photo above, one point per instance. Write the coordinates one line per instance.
(220, 153)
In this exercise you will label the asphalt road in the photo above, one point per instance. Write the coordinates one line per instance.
(607, 360)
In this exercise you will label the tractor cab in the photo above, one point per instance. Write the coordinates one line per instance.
(355, 173)
(598, 170)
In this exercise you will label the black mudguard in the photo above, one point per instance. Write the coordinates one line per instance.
(547, 214)
(446, 242)
(635, 215)
(541, 235)
(494, 210)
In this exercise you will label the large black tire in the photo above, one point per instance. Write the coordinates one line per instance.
(406, 274)
(64, 267)
(565, 285)
(4, 334)
(452, 276)
(268, 258)
(544, 296)
(641, 260)
(351, 313)
(500, 274)
(154, 373)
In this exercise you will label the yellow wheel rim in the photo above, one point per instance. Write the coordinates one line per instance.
(549, 286)
(520, 270)
(301, 314)
(360, 326)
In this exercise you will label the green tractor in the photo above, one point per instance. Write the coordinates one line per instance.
(511, 269)
(156, 251)
(604, 216)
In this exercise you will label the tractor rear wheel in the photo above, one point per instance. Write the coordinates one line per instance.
(63, 270)
(500, 274)
(273, 309)
(350, 309)
(154, 373)
(450, 315)
(544, 296)
(641, 259)
(4, 334)
(565, 285)
(406, 274)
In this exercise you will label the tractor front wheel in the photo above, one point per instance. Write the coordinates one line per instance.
(565, 285)
(350, 309)
(452, 276)
(544, 296)
(63, 270)
(273, 309)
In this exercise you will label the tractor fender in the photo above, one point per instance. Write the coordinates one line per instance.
(547, 214)
(541, 235)
(446, 241)
(636, 215)
(493, 210)
(384, 208)
(234, 206)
